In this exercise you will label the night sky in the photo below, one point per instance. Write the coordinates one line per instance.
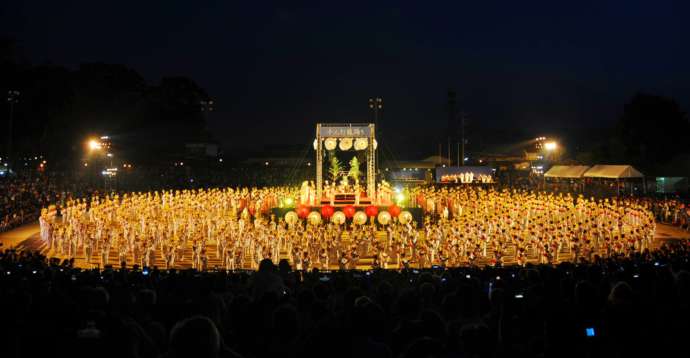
(276, 69)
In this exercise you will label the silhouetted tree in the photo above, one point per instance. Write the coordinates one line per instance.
(652, 131)
(59, 108)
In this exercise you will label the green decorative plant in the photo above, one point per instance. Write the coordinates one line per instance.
(335, 168)
(354, 172)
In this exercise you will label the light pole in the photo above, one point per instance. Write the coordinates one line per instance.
(376, 104)
(12, 98)
(206, 105)
(461, 160)
(551, 148)
(102, 145)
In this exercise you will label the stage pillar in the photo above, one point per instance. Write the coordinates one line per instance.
(371, 165)
(319, 164)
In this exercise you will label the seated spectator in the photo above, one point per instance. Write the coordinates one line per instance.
(197, 337)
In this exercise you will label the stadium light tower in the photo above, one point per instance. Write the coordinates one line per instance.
(100, 147)
(206, 105)
(376, 104)
(552, 150)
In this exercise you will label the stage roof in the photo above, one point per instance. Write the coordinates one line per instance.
(566, 171)
(613, 172)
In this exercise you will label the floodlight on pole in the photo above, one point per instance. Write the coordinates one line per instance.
(94, 144)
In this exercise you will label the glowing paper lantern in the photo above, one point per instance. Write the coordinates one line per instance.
(361, 143)
(338, 218)
(303, 211)
(345, 144)
(360, 218)
(394, 210)
(384, 218)
(349, 211)
(314, 218)
(405, 217)
(371, 210)
(327, 211)
(330, 143)
(291, 218)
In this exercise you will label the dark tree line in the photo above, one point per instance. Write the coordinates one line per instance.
(59, 107)
(651, 134)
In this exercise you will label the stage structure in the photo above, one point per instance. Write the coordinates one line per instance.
(345, 137)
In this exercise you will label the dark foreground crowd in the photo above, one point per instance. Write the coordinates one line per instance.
(624, 307)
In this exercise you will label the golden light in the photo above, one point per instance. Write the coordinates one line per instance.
(94, 144)
(400, 197)
(550, 146)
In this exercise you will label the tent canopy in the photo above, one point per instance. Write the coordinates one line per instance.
(613, 172)
(566, 171)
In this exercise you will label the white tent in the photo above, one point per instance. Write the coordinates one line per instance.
(617, 172)
(613, 172)
(566, 171)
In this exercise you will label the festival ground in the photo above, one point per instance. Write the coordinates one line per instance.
(27, 238)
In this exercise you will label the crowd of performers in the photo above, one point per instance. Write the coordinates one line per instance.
(235, 229)
(467, 178)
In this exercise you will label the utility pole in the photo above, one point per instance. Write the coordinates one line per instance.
(12, 98)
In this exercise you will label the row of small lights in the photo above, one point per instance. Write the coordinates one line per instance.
(265, 163)
(29, 158)
(41, 165)
(111, 172)
(221, 160)
(308, 164)
(128, 166)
